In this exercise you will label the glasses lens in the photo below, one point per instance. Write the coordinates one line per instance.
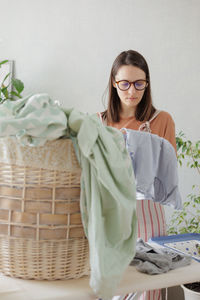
(124, 85)
(140, 84)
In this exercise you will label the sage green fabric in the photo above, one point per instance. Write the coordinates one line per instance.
(32, 120)
(108, 200)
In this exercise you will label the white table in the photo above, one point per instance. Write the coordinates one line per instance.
(79, 289)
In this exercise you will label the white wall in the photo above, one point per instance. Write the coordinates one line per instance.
(66, 48)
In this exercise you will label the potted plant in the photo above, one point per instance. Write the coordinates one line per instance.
(191, 291)
(188, 219)
(12, 89)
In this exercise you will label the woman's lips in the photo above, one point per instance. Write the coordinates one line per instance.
(131, 98)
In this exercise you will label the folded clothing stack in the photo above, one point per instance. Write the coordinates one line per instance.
(153, 261)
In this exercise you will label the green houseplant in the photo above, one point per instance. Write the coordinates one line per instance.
(12, 89)
(188, 219)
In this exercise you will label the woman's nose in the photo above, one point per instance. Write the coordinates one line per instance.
(132, 89)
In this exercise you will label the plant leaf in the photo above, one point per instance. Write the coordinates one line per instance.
(15, 94)
(18, 85)
(4, 91)
(5, 78)
(3, 62)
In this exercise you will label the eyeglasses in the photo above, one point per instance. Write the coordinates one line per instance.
(139, 85)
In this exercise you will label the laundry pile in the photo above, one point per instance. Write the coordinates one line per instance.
(151, 260)
(108, 198)
(116, 167)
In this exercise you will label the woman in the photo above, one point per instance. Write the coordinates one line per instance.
(130, 106)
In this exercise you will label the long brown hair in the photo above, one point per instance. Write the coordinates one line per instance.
(145, 108)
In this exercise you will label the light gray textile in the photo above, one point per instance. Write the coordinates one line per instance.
(156, 261)
(155, 166)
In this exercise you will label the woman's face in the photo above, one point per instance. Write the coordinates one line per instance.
(131, 97)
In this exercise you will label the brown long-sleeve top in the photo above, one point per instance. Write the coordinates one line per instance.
(163, 125)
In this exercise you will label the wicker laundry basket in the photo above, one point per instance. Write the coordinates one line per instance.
(41, 233)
